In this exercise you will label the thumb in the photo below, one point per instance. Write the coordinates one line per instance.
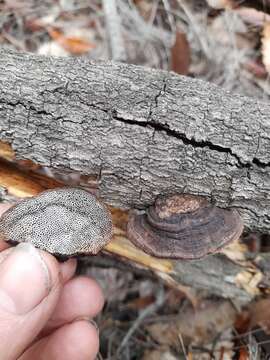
(29, 290)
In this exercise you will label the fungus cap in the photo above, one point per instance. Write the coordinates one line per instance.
(63, 221)
(183, 226)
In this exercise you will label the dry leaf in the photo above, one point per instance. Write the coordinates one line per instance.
(52, 48)
(164, 333)
(180, 54)
(256, 67)
(159, 355)
(199, 326)
(260, 314)
(72, 44)
(243, 354)
(252, 16)
(220, 4)
(242, 321)
(141, 303)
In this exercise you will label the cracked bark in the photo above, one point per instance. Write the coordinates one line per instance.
(142, 132)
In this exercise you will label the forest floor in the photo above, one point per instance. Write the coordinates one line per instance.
(222, 41)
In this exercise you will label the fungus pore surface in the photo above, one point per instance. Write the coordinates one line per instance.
(64, 221)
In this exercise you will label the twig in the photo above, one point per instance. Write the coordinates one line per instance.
(146, 312)
(113, 24)
(184, 5)
(170, 16)
(182, 345)
(143, 30)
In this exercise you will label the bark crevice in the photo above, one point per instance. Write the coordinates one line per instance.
(187, 141)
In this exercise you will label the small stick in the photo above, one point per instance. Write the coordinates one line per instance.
(146, 312)
(113, 23)
(182, 345)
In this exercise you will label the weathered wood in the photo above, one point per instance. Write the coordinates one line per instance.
(142, 132)
(220, 275)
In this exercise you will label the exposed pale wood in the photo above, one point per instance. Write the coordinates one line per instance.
(24, 183)
(6, 151)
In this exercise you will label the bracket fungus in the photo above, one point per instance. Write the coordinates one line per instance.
(64, 222)
(183, 226)
(71, 221)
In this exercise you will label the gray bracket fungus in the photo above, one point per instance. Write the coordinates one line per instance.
(63, 221)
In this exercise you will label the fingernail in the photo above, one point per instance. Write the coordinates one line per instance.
(24, 279)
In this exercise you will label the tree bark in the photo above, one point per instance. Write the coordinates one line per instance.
(141, 132)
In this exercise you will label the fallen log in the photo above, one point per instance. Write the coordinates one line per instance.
(140, 132)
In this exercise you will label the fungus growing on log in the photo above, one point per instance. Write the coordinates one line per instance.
(183, 226)
(64, 221)
(71, 221)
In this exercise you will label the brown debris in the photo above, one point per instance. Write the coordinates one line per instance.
(180, 54)
(198, 326)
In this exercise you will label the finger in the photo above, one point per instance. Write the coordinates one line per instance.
(75, 341)
(4, 207)
(3, 245)
(29, 291)
(81, 298)
(68, 269)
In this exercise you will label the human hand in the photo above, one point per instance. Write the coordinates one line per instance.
(44, 311)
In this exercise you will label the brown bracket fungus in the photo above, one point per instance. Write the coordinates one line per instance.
(183, 227)
(64, 221)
